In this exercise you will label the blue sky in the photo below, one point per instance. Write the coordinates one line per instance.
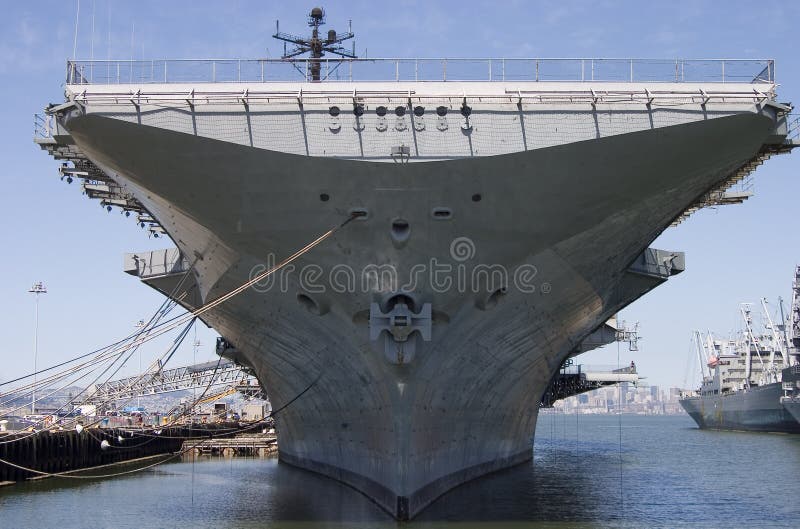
(53, 234)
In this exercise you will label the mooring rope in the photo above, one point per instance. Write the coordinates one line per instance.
(191, 315)
(176, 343)
(70, 473)
(104, 352)
(179, 320)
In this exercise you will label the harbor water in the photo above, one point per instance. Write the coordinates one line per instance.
(587, 471)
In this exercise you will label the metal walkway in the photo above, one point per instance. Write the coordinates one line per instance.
(208, 374)
(575, 379)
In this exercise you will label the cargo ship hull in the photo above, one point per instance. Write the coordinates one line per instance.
(792, 406)
(758, 409)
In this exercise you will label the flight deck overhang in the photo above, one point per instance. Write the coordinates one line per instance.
(168, 272)
(650, 269)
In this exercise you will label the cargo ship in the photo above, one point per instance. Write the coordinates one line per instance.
(475, 223)
(750, 383)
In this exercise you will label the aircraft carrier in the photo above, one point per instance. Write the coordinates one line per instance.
(491, 215)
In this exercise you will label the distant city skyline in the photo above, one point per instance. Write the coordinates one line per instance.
(625, 398)
(52, 234)
(634, 398)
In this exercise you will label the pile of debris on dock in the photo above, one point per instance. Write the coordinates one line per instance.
(249, 444)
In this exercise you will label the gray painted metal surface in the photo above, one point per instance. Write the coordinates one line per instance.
(792, 406)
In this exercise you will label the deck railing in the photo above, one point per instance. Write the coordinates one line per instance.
(42, 126)
(577, 369)
(461, 69)
(793, 127)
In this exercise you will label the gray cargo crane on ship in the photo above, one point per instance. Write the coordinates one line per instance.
(458, 228)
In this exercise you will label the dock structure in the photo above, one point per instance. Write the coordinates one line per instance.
(242, 445)
(575, 379)
(26, 455)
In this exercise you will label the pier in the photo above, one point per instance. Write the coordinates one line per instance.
(261, 445)
(68, 451)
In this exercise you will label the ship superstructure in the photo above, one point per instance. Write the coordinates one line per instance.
(502, 211)
(791, 384)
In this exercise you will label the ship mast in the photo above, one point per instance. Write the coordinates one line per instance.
(701, 349)
(315, 45)
(776, 341)
(751, 343)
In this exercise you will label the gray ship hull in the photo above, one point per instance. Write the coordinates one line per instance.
(756, 410)
(579, 215)
(792, 406)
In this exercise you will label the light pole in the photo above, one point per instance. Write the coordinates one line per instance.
(37, 288)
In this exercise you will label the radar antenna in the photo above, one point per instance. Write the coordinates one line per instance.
(315, 45)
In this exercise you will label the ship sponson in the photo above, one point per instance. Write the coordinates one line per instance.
(500, 226)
